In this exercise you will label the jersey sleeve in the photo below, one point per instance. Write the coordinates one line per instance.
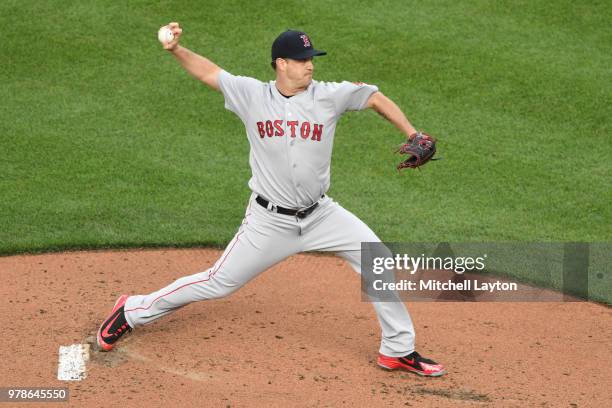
(351, 96)
(238, 92)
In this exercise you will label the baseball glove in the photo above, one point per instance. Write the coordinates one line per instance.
(420, 148)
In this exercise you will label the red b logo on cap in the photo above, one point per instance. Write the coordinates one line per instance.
(306, 40)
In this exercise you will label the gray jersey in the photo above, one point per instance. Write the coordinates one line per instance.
(291, 139)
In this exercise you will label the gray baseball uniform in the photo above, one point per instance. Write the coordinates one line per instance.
(291, 143)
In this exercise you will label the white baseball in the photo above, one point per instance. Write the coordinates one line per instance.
(165, 35)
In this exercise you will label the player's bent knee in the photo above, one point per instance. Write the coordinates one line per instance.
(220, 287)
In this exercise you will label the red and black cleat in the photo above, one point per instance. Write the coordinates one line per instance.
(412, 362)
(114, 326)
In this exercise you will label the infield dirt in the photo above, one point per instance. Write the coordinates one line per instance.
(298, 335)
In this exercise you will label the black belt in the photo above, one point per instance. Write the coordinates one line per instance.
(286, 211)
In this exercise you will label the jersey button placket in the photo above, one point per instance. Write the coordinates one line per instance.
(290, 153)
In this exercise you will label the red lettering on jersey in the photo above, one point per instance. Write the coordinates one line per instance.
(305, 130)
(275, 128)
(260, 128)
(269, 129)
(278, 125)
(316, 132)
(293, 124)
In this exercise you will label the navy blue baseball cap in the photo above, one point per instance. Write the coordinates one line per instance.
(294, 45)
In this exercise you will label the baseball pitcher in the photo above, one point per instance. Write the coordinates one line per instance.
(290, 124)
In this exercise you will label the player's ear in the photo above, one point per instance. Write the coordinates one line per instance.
(281, 64)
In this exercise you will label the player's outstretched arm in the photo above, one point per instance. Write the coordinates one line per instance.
(390, 111)
(198, 66)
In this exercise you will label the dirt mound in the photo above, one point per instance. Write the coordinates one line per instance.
(298, 335)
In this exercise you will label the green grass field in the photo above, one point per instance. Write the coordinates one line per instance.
(107, 142)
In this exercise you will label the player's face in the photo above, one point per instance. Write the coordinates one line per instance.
(300, 71)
